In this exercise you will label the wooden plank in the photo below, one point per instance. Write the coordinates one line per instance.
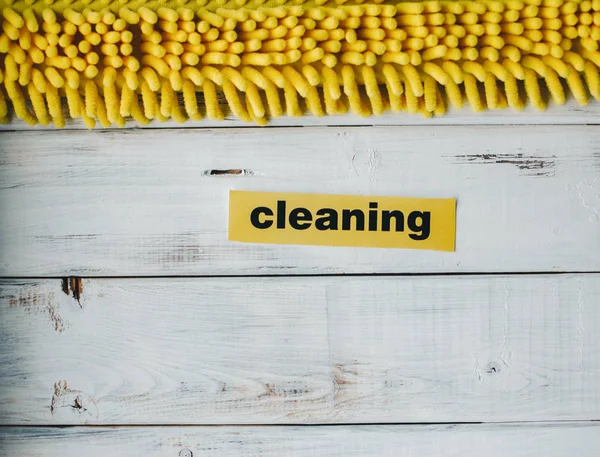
(145, 203)
(497, 440)
(572, 113)
(301, 350)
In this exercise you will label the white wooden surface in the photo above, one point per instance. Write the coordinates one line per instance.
(301, 350)
(572, 113)
(499, 348)
(144, 203)
(507, 440)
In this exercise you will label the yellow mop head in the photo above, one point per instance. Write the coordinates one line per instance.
(109, 60)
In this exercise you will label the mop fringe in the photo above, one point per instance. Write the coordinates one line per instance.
(108, 61)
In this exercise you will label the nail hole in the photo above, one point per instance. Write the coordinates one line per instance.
(493, 368)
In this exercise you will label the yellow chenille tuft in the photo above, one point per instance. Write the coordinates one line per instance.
(108, 61)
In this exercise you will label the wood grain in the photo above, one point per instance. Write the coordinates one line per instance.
(572, 113)
(497, 440)
(155, 202)
(301, 350)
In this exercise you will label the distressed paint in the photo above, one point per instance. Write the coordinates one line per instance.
(530, 165)
(302, 350)
(332, 350)
(112, 203)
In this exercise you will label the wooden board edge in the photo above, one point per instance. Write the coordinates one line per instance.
(465, 440)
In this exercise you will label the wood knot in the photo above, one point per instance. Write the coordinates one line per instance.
(66, 401)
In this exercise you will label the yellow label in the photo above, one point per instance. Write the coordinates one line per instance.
(342, 220)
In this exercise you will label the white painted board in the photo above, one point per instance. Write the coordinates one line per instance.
(497, 440)
(301, 350)
(141, 203)
(572, 113)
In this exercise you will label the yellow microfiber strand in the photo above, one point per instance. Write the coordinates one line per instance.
(107, 60)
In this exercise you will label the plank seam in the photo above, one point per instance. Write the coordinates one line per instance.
(309, 275)
(244, 127)
(337, 424)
